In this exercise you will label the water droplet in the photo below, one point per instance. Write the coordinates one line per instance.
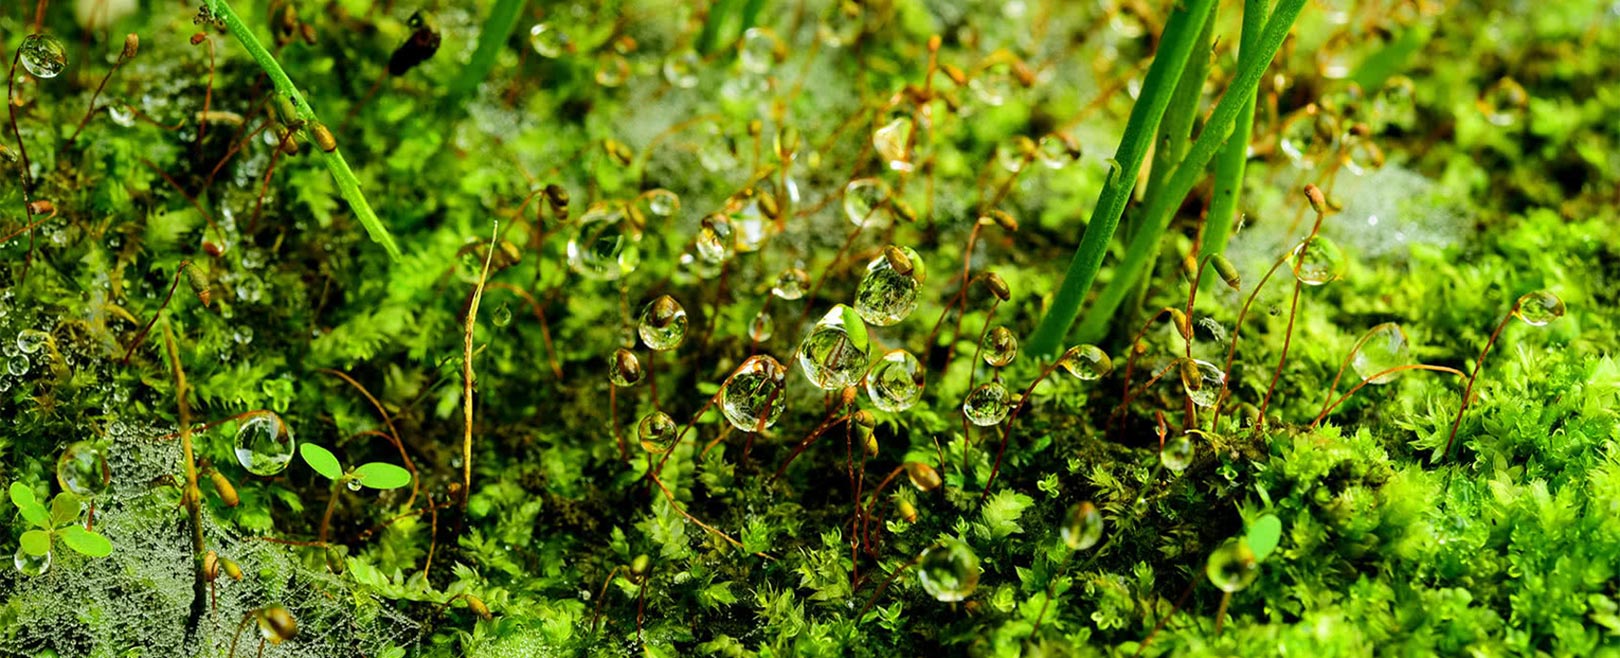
(264, 443)
(82, 469)
(1082, 527)
(624, 369)
(1361, 154)
(1539, 308)
(502, 315)
(1307, 135)
(1177, 453)
(762, 327)
(1503, 103)
(1000, 347)
(987, 405)
(31, 340)
(1317, 261)
(892, 142)
(753, 397)
(1385, 347)
(250, 289)
(830, 356)
(17, 365)
(866, 202)
(1015, 153)
(751, 228)
(949, 571)
(604, 246)
(1232, 566)
(895, 381)
(612, 69)
(43, 55)
(1086, 362)
(757, 53)
(663, 324)
(352, 484)
(121, 114)
(1055, 152)
(242, 335)
(1202, 381)
(663, 202)
(680, 68)
(714, 239)
(791, 284)
(888, 291)
(657, 432)
(31, 565)
(548, 41)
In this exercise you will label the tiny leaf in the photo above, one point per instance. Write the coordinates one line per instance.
(32, 511)
(65, 508)
(86, 542)
(856, 328)
(1263, 536)
(379, 475)
(321, 460)
(36, 542)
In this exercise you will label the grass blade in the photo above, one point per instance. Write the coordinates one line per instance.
(1233, 160)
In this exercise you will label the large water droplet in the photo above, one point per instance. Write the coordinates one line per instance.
(1082, 526)
(31, 340)
(888, 291)
(1317, 261)
(1086, 362)
(82, 469)
(895, 381)
(713, 241)
(1202, 380)
(949, 571)
(657, 432)
(31, 565)
(604, 245)
(830, 356)
(624, 369)
(753, 397)
(502, 315)
(987, 405)
(1232, 566)
(1177, 453)
(17, 365)
(866, 203)
(892, 142)
(1539, 308)
(680, 68)
(757, 53)
(1000, 347)
(1385, 347)
(264, 443)
(791, 284)
(663, 324)
(547, 40)
(43, 55)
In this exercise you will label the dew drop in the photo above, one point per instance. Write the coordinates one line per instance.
(1232, 566)
(657, 432)
(612, 70)
(31, 565)
(987, 405)
(680, 68)
(502, 315)
(31, 340)
(892, 142)
(352, 484)
(1385, 347)
(82, 469)
(1317, 261)
(757, 53)
(866, 203)
(1055, 152)
(1539, 308)
(1000, 347)
(121, 114)
(1202, 380)
(663, 324)
(1082, 526)
(1504, 102)
(1177, 453)
(830, 355)
(753, 397)
(895, 382)
(548, 41)
(624, 369)
(888, 291)
(714, 239)
(1086, 362)
(17, 365)
(43, 55)
(949, 571)
(791, 284)
(604, 246)
(1306, 136)
(264, 443)
(762, 327)
(663, 203)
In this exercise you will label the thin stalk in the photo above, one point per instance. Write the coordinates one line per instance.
(1160, 208)
(1157, 87)
(1468, 390)
(491, 39)
(1382, 373)
(1233, 159)
(467, 373)
(348, 184)
(193, 495)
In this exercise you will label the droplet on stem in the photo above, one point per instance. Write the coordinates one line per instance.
(888, 291)
(1538, 308)
(264, 443)
(753, 397)
(987, 405)
(663, 324)
(1385, 347)
(949, 571)
(895, 382)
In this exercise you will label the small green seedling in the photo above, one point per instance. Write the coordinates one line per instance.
(376, 475)
(1235, 564)
(61, 521)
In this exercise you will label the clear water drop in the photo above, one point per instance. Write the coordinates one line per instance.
(1000, 347)
(605, 244)
(663, 324)
(1082, 526)
(1232, 566)
(888, 291)
(624, 369)
(17, 365)
(1317, 261)
(31, 565)
(548, 41)
(264, 443)
(714, 238)
(502, 315)
(657, 432)
(1177, 453)
(1202, 380)
(663, 203)
(31, 340)
(82, 469)
(949, 571)
(892, 142)
(1055, 152)
(757, 53)
(762, 327)
(791, 284)
(987, 405)
(1384, 347)
(754, 396)
(681, 67)
(895, 382)
(1539, 308)
(1086, 362)
(866, 203)
(830, 356)
(43, 55)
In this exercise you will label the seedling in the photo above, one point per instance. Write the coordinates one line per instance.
(60, 522)
(374, 475)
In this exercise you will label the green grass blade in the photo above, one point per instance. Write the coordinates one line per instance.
(1213, 136)
(1233, 160)
(1175, 45)
(491, 40)
(348, 184)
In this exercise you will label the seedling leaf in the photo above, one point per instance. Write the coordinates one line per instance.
(65, 508)
(379, 475)
(856, 327)
(321, 460)
(1263, 536)
(32, 511)
(84, 541)
(36, 542)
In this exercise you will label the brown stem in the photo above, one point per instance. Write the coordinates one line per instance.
(831, 419)
(602, 596)
(688, 516)
(467, 373)
(91, 112)
(881, 588)
(193, 493)
(1468, 390)
(1237, 329)
(1328, 409)
(185, 435)
(1006, 430)
(1288, 337)
(1343, 366)
(393, 433)
(331, 504)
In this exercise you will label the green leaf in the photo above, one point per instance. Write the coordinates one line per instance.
(856, 327)
(378, 475)
(1263, 536)
(65, 508)
(86, 542)
(32, 511)
(36, 542)
(321, 460)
